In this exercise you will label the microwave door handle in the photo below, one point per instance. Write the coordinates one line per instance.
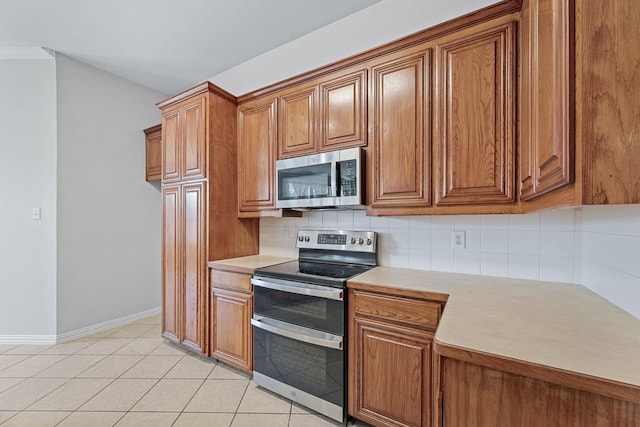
(334, 179)
(303, 334)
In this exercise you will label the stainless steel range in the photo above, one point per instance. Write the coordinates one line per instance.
(299, 320)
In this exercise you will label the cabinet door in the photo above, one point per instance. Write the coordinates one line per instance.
(399, 158)
(194, 265)
(194, 139)
(475, 138)
(547, 97)
(153, 153)
(171, 252)
(343, 118)
(256, 157)
(231, 337)
(297, 122)
(392, 374)
(171, 145)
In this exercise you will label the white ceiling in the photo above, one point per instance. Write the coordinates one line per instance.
(166, 45)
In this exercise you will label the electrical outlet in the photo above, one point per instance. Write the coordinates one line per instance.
(458, 240)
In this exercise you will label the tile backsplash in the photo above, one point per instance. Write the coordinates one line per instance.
(597, 246)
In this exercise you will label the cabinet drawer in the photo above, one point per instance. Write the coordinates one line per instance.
(410, 312)
(229, 280)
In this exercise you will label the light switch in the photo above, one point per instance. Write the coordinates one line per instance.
(35, 213)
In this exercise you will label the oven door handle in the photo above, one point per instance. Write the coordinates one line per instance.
(298, 333)
(300, 288)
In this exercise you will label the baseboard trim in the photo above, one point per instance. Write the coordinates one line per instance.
(78, 333)
(27, 339)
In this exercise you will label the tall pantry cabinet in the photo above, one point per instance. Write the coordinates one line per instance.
(199, 205)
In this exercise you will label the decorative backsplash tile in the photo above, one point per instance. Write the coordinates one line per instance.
(598, 246)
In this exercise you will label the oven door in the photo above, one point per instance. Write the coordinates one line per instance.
(301, 304)
(302, 364)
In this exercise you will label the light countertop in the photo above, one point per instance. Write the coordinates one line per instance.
(247, 264)
(562, 326)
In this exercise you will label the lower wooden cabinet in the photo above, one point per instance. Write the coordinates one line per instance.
(231, 311)
(184, 265)
(391, 359)
(476, 396)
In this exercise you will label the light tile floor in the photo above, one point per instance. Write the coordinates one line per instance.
(130, 376)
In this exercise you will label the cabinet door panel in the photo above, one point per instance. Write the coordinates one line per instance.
(194, 147)
(171, 145)
(256, 156)
(392, 368)
(342, 110)
(400, 138)
(153, 153)
(194, 267)
(475, 136)
(231, 336)
(297, 123)
(170, 256)
(547, 101)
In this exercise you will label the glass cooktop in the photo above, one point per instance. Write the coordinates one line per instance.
(313, 272)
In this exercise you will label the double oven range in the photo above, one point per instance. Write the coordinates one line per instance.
(300, 315)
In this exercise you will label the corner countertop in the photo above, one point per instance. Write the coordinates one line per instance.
(559, 332)
(247, 264)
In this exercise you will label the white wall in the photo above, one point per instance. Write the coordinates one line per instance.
(376, 25)
(109, 231)
(27, 180)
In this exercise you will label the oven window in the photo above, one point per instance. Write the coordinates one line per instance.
(312, 312)
(306, 182)
(316, 370)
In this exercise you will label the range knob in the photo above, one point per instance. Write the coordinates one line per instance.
(300, 238)
(360, 241)
(369, 242)
(306, 238)
(353, 240)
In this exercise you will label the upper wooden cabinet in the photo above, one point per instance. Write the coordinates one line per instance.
(547, 138)
(399, 162)
(343, 119)
(583, 129)
(184, 153)
(323, 115)
(257, 131)
(475, 115)
(297, 123)
(153, 152)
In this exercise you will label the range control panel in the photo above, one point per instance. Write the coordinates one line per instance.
(360, 241)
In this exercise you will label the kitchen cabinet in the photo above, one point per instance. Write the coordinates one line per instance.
(391, 361)
(580, 116)
(153, 152)
(257, 132)
(323, 115)
(184, 153)
(184, 264)
(399, 158)
(231, 311)
(200, 220)
(547, 139)
(343, 118)
(297, 121)
(475, 115)
(477, 396)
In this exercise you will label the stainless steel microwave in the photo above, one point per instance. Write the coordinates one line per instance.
(326, 180)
